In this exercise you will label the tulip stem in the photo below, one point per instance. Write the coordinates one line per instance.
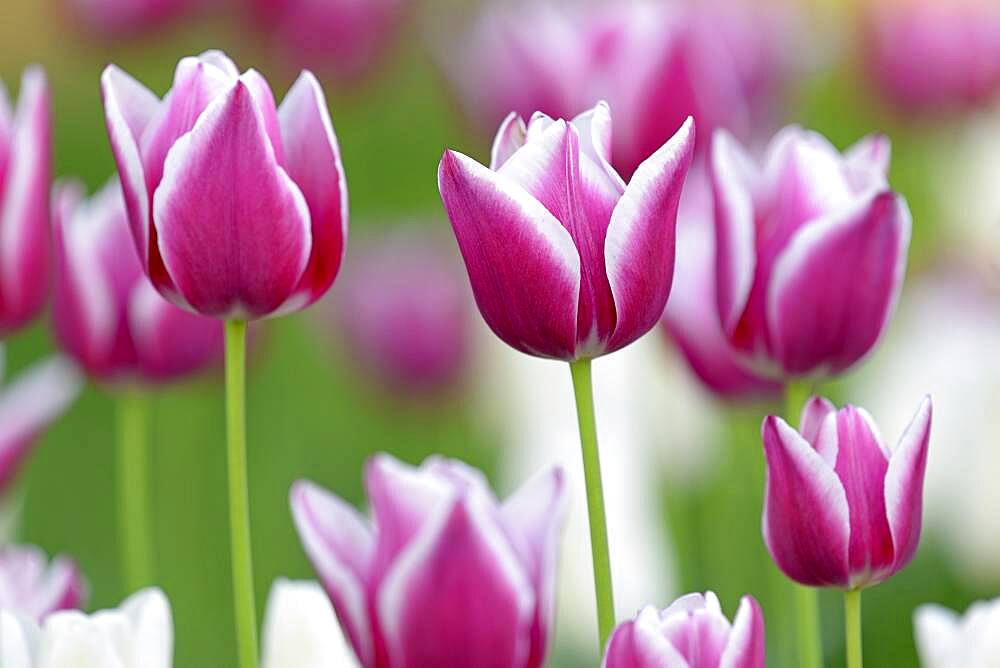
(806, 598)
(584, 392)
(852, 627)
(135, 537)
(239, 498)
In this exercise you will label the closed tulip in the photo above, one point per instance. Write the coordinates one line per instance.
(566, 261)
(238, 209)
(810, 251)
(841, 509)
(692, 632)
(33, 587)
(25, 172)
(946, 639)
(107, 314)
(447, 576)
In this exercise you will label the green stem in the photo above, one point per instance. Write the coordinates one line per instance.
(239, 500)
(806, 598)
(584, 391)
(852, 627)
(135, 537)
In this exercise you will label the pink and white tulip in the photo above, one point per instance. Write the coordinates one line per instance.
(448, 576)
(566, 261)
(238, 209)
(25, 174)
(107, 314)
(33, 587)
(691, 632)
(840, 508)
(946, 639)
(810, 251)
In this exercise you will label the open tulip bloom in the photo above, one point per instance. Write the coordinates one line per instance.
(238, 210)
(566, 260)
(448, 577)
(841, 509)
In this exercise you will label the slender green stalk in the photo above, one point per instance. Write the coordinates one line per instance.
(135, 530)
(584, 391)
(806, 598)
(239, 500)
(852, 627)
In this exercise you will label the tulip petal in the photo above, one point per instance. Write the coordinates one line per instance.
(522, 263)
(233, 228)
(341, 548)
(938, 635)
(835, 285)
(814, 414)
(510, 137)
(640, 643)
(19, 641)
(149, 638)
(264, 99)
(301, 630)
(639, 250)
(904, 483)
(312, 159)
(71, 639)
(746, 646)
(806, 517)
(867, 162)
(457, 597)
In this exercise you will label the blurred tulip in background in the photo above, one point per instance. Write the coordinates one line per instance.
(301, 629)
(33, 587)
(130, 18)
(946, 639)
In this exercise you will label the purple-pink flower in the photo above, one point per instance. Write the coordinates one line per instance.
(34, 587)
(238, 209)
(840, 508)
(25, 174)
(692, 632)
(107, 314)
(566, 260)
(448, 576)
(129, 18)
(810, 251)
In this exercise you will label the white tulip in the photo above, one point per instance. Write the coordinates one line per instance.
(946, 639)
(301, 629)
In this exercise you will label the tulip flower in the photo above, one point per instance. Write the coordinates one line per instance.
(692, 631)
(404, 312)
(238, 210)
(811, 251)
(926, 55)
(137, 634)
(447, 576)
(33, 587)
(691, 319)
(946, 639)
(301, 629)
(25, 172)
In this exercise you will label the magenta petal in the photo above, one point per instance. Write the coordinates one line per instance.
(640, 643)
(835, 285)
(904, 485)
(510, 137)
(639, 250)
(814, 414)
(522, 263)
(341, 547)
(867, 162)
(312, 159)
(458, 596)
(806, 521)
(264, 99)
(746, 645)
(233, 228)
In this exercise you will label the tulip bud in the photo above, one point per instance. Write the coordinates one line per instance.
(301, 629)
(25, 172)
(238, 209)
(948, 640)
(565, 260)
(810, 251)
(692, 631)
(107, 315)
(840, 509)
(32, 587)
(448, 576)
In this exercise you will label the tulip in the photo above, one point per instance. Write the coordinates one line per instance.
(947, 640)
(108, 316)
(692, 631)
(128, 18)
(33, 587)
(811, 251)
(447, 576)
(137, 634)
(25, 172)
(301, 629)
(405, 313)
(931, 56)
(691, 319)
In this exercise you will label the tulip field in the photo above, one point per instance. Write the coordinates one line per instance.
(499, 334)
